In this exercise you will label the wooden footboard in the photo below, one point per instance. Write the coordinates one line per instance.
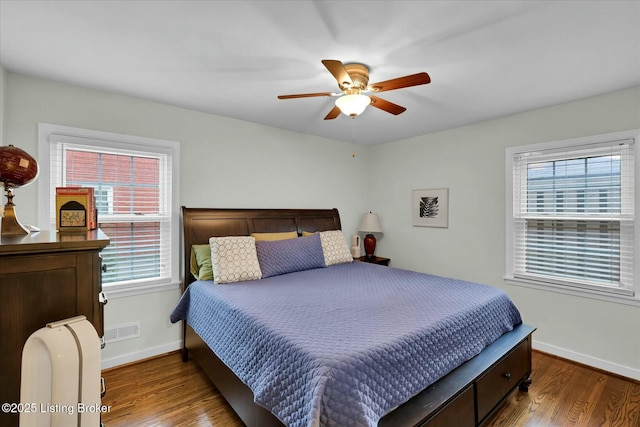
(466, 396)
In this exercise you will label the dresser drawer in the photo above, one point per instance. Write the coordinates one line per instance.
(494, 384)
(459, 412)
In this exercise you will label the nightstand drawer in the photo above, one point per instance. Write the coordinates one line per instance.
(494, 384)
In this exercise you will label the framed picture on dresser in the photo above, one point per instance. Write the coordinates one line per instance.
(431, 208)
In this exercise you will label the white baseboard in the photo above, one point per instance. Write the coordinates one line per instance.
(605, 365)
(142, 354)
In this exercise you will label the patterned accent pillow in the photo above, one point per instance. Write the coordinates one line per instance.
(234, 259)
(286, 256)
(335, 247)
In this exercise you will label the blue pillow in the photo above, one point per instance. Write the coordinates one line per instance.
(286, 256)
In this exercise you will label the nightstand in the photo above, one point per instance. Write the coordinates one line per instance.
(375, 260)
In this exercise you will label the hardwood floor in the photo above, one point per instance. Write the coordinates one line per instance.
(165, 392)
(564, 393)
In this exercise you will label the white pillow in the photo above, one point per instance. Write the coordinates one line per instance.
(334, 247)
(234, 259)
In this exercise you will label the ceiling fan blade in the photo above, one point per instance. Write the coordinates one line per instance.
(335, 112)
(387, 106)
(338, 70)
(305, 95)
(400, 82)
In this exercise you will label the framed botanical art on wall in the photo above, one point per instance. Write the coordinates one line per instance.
(431, 208)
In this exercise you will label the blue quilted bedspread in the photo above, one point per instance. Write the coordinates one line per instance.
(343, 345)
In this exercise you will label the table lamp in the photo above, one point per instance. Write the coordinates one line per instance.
(370, 224)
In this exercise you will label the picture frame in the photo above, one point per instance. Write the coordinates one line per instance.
(431, 207)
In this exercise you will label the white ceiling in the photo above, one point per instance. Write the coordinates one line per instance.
(486, 59)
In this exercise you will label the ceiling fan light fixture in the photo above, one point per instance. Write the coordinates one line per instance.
(353, 105)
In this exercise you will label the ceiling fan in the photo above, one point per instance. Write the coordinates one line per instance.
(353, 81)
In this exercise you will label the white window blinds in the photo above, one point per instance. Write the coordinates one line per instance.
(134, 192)
(573, 215)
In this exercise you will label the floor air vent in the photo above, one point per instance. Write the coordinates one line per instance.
(124, 331)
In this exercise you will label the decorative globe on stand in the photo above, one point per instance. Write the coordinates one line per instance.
(17, 168)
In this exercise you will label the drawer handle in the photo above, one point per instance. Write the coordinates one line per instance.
(507, 376)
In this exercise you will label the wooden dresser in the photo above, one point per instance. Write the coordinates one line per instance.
(44, 277)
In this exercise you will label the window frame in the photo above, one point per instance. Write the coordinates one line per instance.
(114, 141)
(565, 286)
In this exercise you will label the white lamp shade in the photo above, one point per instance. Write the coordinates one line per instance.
(370, 223)
(353, 105)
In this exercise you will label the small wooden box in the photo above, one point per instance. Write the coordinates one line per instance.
(76, 209)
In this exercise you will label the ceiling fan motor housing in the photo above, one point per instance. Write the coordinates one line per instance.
(359, 75)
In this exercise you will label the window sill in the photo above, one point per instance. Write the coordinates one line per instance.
(579, 292)
(114, 292)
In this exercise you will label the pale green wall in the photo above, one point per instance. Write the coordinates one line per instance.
(470, 161)
(224, 163)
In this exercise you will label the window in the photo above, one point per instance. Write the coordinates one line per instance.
(135, 182)
(570, 214)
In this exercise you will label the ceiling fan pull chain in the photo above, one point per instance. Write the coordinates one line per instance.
(353, 136)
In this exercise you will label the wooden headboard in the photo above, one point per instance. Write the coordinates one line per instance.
(199, 224)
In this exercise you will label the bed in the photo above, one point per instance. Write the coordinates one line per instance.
(309, 372)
